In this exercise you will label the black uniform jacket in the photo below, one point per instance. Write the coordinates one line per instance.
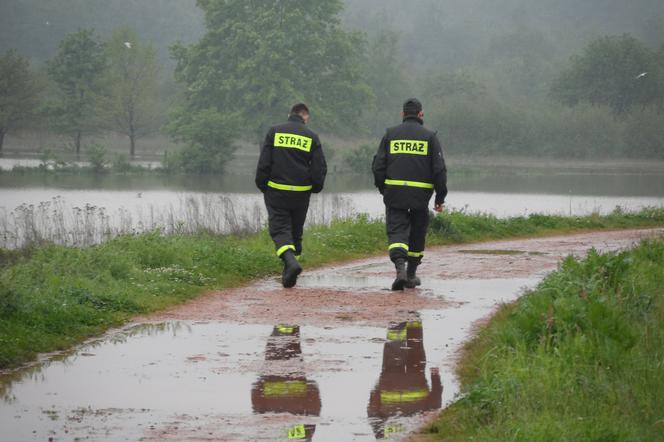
(291, 165)
(409, 166)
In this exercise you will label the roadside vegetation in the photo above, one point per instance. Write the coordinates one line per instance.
(581, 357)
(52, 296)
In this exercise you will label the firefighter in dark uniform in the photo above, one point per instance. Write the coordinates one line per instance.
(402, 389)
(291, 167)
(278, 392)
(407, 169)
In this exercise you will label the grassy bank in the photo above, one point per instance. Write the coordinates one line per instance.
(580, 358)
(52, 297)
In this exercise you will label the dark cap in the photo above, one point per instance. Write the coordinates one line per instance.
(299, 108)
(412, 106)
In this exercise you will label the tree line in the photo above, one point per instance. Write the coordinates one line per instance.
(256, 58)
(88, 87)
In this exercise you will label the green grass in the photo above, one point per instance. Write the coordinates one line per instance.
(52, 297)
(580, 358)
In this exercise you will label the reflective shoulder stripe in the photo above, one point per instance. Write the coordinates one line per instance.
(398, 245)
(293, 141)
(409, 184)
(278, 186)
(284, 248)
(284, 388)
(414, 324)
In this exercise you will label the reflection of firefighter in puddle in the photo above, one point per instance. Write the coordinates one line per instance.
(283, 386)
(402, 388)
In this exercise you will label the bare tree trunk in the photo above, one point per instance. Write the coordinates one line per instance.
(132, 145)
(77, 143)
(2, 140)
(132, 133)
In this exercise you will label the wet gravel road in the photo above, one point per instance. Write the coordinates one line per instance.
(338, 358)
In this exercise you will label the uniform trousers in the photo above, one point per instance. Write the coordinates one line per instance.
(406, 232)
(286, 225)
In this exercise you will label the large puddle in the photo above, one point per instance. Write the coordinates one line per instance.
(338, 358)
(233, 381)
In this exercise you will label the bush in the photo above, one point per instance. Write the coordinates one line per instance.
(121, 163)
(359, 160)
(644, 134)
(96, 154)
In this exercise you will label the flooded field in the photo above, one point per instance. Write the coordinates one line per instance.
(339, 358)
(73, 209)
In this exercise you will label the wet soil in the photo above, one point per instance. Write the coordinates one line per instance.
(337, 358)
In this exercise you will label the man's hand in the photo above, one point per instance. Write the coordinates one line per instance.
(435, 371)
(439, 207)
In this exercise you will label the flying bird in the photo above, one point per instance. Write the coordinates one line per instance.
(128, 44)
(641, 75)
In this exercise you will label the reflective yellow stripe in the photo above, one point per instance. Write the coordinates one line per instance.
(416, 254)
(398, 245)
(409, 184)
(278, 186)
(284, 248)
(413, 147)
(396, 335)
(284, 388)
(414, 324)
(285, 329)
(293, 141)
(297, 432)
(395, 397)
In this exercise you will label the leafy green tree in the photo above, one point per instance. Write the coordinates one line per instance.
(209, 135)
(78, 69)
(385, 75)
(616, 71)
(259, 57)
(18, 92)
(442, 86)
(132, 74)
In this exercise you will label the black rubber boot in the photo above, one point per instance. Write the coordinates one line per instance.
(413, 280)
(291, 269)
(401, 279)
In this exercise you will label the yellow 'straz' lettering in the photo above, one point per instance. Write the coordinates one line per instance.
(293, 141)
(297, 432)
(413, 147)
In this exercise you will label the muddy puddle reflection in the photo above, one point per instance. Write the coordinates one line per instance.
(188, 380)
(402, 388)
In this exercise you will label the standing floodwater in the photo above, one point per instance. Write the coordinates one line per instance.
(83, 210)
(338, 358)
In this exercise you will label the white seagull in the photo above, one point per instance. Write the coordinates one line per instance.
(128, 44)
(641, 75)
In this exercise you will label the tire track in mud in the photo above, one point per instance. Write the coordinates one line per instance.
(338, 358)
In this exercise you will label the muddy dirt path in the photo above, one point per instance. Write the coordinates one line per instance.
(338, 358)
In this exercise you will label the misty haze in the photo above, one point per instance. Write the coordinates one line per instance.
(130, 132)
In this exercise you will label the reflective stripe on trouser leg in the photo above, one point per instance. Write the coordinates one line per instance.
(419, 222)
(397, 225)
(281, 250)
(298, 217)
(280, 228)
